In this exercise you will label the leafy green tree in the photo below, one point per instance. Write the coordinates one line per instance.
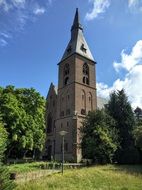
(99, 140)
(3, 140)
(23, 114)
(120, 109)
(5, 182)
(138, 137)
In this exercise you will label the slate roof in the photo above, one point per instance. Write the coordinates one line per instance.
(77, 43)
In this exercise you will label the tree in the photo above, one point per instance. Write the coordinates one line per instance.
(5, 182)
(138, 112)
(120, 109)
(138, 137)
(23, 114)
(3, 140)
(99, 140)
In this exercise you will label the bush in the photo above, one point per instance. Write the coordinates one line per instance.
(5, 182)
(130, 155)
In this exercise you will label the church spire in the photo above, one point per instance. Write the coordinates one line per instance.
(76, 22)
(77, 43)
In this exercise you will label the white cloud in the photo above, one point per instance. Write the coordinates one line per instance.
(3, 42)
(39, 10)
(14, 15)
(132, 81)
(99, 6)
(129, 61)
(19, 3)
(3, 38)
(133, 2)
(5, 6)
(135, 5)
(5, 35)
(103, 90)
(9, 5)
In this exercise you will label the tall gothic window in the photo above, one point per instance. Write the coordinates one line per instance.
(66, 73)
(49, 123)
(83, 102)
(85, 69)
(85, 79)
(66, 81)
(90, 101)
(66, 69)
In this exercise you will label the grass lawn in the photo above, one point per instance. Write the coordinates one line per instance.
(25, 167)
(107, 177)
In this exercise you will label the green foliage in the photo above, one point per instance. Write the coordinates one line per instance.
(120, 109)
(23, 114)
(3, 140)
(138, 137)
(26, 167)
(106, 177)
(99, 137)
(5, 182)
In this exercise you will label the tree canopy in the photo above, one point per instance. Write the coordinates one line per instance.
(3, 140)
(99, 137)
(23, 112)
(138, 137)
(5, 182)
(120, 109)
(113, 133)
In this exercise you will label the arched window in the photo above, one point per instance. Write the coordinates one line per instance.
(66, 81)
(67, 103)
(90, 101)
(66, 69)
(86, 69)
(85, 74)
(67, 98)
(83, 99)
(66, 73)
(49, 123)
(87, 80)
(83, 102)
(84, 79)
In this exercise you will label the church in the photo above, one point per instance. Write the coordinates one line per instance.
(69, 103)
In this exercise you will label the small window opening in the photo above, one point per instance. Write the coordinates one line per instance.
(66, 80)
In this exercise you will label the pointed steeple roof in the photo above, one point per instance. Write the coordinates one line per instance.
(76, 22)
(77, 43)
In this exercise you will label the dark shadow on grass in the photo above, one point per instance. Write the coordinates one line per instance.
(130, 169)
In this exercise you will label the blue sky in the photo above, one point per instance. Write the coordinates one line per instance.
(34, 35)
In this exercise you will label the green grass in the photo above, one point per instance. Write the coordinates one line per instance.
(107, 177)
(25, 167)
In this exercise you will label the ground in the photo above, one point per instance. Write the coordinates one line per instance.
(108, 177)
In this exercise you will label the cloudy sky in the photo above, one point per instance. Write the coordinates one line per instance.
(34, 34)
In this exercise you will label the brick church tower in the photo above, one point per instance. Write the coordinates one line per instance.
(73, 99)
